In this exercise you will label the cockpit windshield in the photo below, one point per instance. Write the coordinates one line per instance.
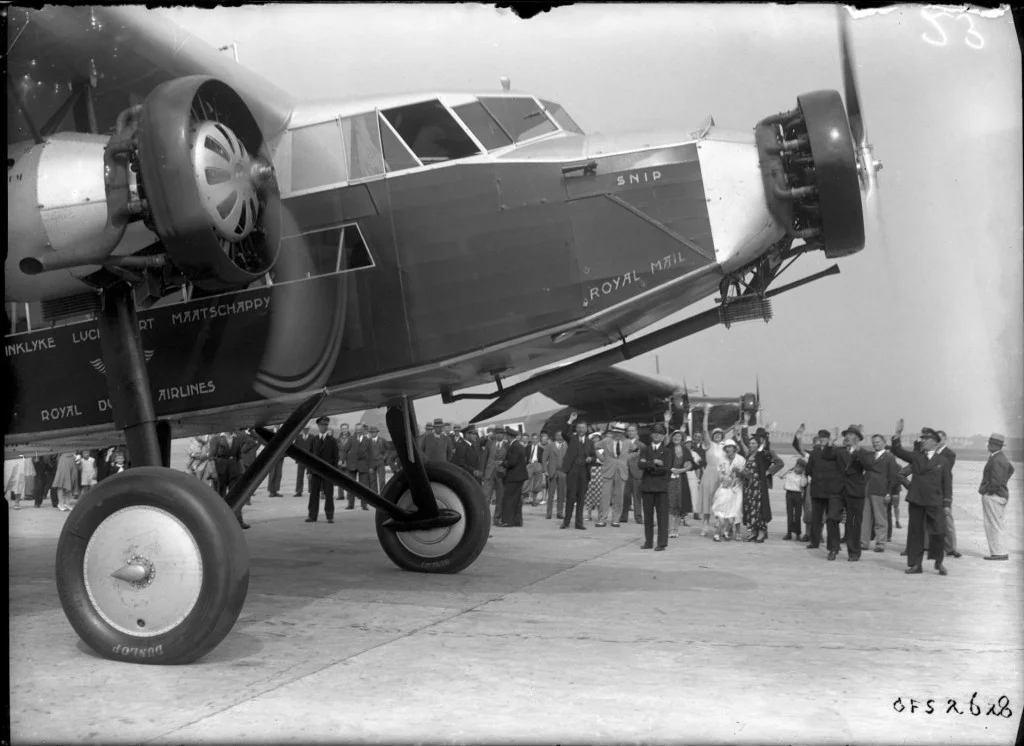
(521, 118)
(559, 114)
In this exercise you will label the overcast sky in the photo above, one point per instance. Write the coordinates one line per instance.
(929, 328)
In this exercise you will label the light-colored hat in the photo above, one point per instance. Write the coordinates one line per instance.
(997, 438)
(729, 442)
(619, 427)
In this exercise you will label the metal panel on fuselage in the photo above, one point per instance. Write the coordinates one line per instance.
(484, 256)
(639, 220)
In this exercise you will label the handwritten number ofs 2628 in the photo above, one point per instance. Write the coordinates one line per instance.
(1000, 708)
(972, 37)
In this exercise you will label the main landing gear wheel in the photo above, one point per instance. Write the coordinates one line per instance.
(440, 550)
(152, 567)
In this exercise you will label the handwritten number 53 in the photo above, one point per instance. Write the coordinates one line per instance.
(972, 38)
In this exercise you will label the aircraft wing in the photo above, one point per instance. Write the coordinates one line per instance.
(116, 56)
(613, 394)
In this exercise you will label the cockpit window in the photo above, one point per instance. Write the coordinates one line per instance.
(483, 126)
(559, 115)
(519, 117)
(431, 132)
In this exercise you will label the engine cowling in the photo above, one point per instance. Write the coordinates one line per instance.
(206, 183)
(809, 167)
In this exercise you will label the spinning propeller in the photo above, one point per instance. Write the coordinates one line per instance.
(867, 166)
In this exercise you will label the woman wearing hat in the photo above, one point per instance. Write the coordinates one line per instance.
(728, 501)
(593, 494)
(762, 465)
(680, 502)
(709, 481)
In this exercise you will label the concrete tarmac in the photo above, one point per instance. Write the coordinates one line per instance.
(550, 636)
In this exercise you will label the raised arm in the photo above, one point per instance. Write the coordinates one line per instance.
(797, 441)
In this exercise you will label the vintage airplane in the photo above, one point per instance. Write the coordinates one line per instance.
(207, 253)
(615, 394)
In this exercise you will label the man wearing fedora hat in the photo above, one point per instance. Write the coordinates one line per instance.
(929, 486)
(614, 471)
(515, 477)
(824, 477)
(995, 494)
(436, 445)
(656, 463)
(853, 462)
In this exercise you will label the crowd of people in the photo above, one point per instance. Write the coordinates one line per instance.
(719, 478)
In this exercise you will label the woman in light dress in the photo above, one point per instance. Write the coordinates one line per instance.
(713, 454)
(199, 464)
(87, 472)
(66, 479)
(728, 502)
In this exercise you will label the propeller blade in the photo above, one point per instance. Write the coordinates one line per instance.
(852, 93)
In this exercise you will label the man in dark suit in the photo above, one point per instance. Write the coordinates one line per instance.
(325, 447)
(580, 454)
(302, 441)
(655, 462)
(853, 462)
(226, 453)
(436, 445)
(929, 487)
(515, 476)
(947, 507)
(995, 493)
(825, 481)
(494, 471)
(465, 454)
(346, 457)
(554, 452)
(362, 462)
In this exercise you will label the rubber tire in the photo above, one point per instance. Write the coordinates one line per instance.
(476, 515)
(222, 546)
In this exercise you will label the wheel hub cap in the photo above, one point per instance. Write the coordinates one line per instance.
(435, 542)
(143, 571)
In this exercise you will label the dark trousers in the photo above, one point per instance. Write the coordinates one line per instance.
(300, 474)
(225, 481)
(316, 485)
(854, 507)
(656, 502)
(819, 507)
(363, 477)
(512, 503)
(794, 510)
(922, 517)
(274, 484)
(575, 491)
(890, 509)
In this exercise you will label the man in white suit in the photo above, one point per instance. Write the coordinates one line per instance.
(613, 452)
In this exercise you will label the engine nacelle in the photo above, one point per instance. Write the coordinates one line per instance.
(57, 216)
(205, 179)
(809, 168)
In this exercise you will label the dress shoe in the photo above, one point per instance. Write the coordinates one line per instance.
(350, 507)
(940, 569)
(812, 546)
(855, 558)
(913, 570)
(548, 517)
(330, 520)
(998, 557)
(898, 525)
(805, 537)
(311, 520)
(600, 524)
(275, 494)
(615, 525)
(831, 556)
(903, 553)
(646, 546)
(563, 525)
(954, 554)
(659, 548)
(788, 537)
(560, 517)
(243, 524)
(581, 527)
(879, 549)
